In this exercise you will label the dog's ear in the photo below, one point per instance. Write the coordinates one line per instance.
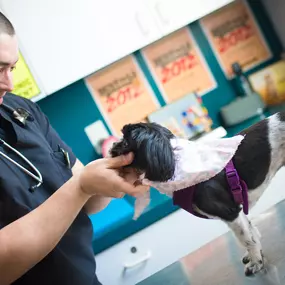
(152, 149)
(125, 145)
(158, 158)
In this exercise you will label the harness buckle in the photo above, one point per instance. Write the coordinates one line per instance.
(233, 180)
(235, 186)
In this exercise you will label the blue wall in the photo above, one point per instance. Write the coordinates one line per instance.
(72, 108)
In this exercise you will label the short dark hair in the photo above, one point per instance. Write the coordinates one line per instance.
(6, 26)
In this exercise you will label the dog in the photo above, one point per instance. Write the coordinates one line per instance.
(258, 158)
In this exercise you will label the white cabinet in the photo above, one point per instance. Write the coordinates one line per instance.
(172, 15)
(157, 246)
(66, 40)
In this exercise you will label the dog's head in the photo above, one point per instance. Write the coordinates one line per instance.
(153, 153)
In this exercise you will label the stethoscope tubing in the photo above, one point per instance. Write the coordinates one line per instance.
(37, 178)
(21, 116)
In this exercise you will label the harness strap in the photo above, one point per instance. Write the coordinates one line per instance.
(237, 186)
(184, 197)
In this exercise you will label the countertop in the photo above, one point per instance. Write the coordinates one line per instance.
(120, 213)
(219, 262)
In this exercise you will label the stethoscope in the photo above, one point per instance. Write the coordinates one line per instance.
(21, 116)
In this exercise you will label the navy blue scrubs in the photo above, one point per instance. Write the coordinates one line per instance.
(72, 261)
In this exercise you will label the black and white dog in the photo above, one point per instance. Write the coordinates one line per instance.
(260, 155)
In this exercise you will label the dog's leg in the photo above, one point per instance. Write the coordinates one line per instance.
(257, 236)
(249, 238)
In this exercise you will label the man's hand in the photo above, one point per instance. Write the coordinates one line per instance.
(104, 177)
(97, 203)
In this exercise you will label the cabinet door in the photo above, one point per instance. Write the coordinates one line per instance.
(172, 15)
(67, 40)
(155, 247)
(128, 26)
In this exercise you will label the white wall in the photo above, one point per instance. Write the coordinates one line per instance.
(276, 12)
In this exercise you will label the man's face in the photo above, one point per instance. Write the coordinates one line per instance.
(8, 58)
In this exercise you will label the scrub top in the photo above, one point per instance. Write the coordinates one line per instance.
(72, 260)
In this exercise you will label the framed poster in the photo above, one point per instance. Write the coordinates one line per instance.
(24, 82)
(269, 83)
(178, 66)
(122, 94)
(235, 37)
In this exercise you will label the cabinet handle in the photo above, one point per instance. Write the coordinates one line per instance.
(160, 15)
(139, 261)
(139, 23)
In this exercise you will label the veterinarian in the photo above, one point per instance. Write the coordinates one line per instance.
(45, 192)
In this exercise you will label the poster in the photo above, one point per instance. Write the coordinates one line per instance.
(122, 94)
(235, 37)
(24, 82)
(270, 83)
(178, 66)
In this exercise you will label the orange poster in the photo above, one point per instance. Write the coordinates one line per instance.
(178, 66)
(122, 94)
(235, 37)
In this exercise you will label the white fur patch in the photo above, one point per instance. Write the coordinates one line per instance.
(276, 137)
(249, 239)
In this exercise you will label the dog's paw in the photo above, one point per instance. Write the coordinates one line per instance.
(246, 258)
(253, 267)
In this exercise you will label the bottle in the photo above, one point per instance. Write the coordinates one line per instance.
(243, 82)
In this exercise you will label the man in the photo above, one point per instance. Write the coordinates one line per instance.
(45, 234)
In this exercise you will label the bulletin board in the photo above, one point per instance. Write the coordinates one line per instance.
(24, 82)
(178, 66)
(235, 37)
(122, 94)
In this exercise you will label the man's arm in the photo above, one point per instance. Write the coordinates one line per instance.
(29, 239)
(96, 203)
(26, 241)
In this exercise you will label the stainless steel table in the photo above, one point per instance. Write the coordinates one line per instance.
(219, 262)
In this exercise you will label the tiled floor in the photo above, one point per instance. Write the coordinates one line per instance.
(218, 263)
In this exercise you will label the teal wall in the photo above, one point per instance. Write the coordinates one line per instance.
(72, 108)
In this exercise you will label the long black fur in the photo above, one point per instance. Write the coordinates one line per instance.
(151, 146)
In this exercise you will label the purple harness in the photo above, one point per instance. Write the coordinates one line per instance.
(184, 198)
